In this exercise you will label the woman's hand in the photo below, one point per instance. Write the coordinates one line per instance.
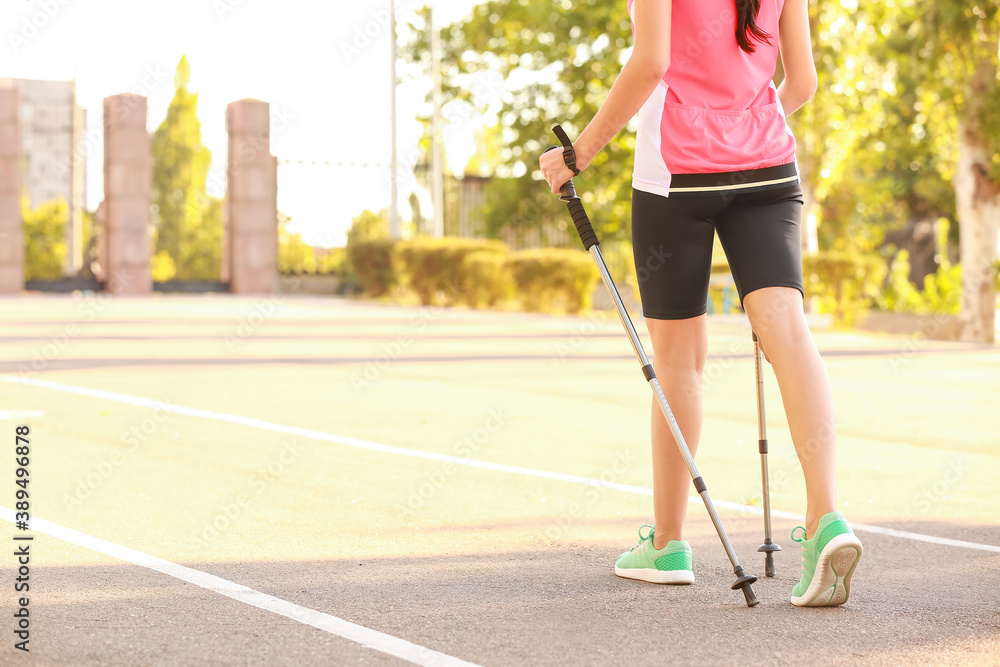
(554, 169)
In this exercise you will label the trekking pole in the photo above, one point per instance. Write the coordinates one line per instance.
(591, 244)
(769, 547)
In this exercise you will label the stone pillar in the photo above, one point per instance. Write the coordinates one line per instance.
(128, 185)
(250, 250)
(11, 225)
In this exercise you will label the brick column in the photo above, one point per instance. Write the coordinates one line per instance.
(11, 225)
(250, 250)
(128, 185)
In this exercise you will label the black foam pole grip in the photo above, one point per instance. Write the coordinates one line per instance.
(562, 136)
(582, 222)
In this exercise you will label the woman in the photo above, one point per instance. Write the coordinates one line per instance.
(714, 152)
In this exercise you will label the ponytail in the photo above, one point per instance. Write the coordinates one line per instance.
(746, 25)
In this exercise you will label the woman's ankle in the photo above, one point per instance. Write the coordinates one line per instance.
(813, 517)
(660, 541)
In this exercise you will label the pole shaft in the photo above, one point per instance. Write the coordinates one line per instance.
(761, 417)
(395, 228)
(668, 414)
(437, 154)
(762, 436)
(767, 499)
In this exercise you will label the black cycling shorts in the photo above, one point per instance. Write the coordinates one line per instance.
(672, 240)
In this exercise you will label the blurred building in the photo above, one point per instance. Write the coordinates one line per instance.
(53, 153)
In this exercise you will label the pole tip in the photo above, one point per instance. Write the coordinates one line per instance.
(743, 582)
(752, 600)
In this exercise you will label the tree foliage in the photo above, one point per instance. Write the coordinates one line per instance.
(877, 145)
(962, 40)
(188, 222)
(369, 226)
(564, 57)
(44, 239)
(295, 256)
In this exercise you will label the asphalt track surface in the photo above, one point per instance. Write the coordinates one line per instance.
(229, 481)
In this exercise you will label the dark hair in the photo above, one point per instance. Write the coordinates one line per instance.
(746, 25)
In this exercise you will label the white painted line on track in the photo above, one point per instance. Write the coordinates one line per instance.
(368, 638)
(858, 527)
(473, 463)
(8, 415)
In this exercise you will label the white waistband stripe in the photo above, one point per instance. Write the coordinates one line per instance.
(736, 186)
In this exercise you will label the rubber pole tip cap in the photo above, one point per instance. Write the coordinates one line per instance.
(744, 582)
(752, 600)
(768, 565)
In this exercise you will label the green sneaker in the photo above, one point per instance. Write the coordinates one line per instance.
(669, 565)
(829, 558)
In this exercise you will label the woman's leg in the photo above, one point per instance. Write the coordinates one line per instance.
(777, 317)
(672, 242)
(679, 351)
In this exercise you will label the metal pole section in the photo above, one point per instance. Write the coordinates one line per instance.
(762, 438)
(395, 228)
(767, 499)
(437, 156)
(595, 252)
(769, 547)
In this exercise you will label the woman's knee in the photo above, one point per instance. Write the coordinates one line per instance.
(776, 315)
(679, 343)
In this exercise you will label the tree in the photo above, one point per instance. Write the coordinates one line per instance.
(369, 226)
(188, 222)
(568, 56)
(44, 239)
(295, 256)
(873, 143)
(964, 40)
(904, 128)
(418, 222)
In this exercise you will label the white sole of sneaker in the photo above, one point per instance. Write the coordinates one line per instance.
(656, 576)
(831, 583)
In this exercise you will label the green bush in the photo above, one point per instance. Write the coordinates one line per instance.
(899, 294)
(846, 283)
(44, 239)
(479, 273)
(369, 226)
(942, 292)
(333, 262)
(162, 267)
(554, 279)
(371, 262)
(487, 281)
(435, 268)
(295, 256)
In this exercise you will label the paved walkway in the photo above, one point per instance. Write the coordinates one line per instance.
(293, 481)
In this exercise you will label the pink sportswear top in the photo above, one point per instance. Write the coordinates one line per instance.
(716, 112)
